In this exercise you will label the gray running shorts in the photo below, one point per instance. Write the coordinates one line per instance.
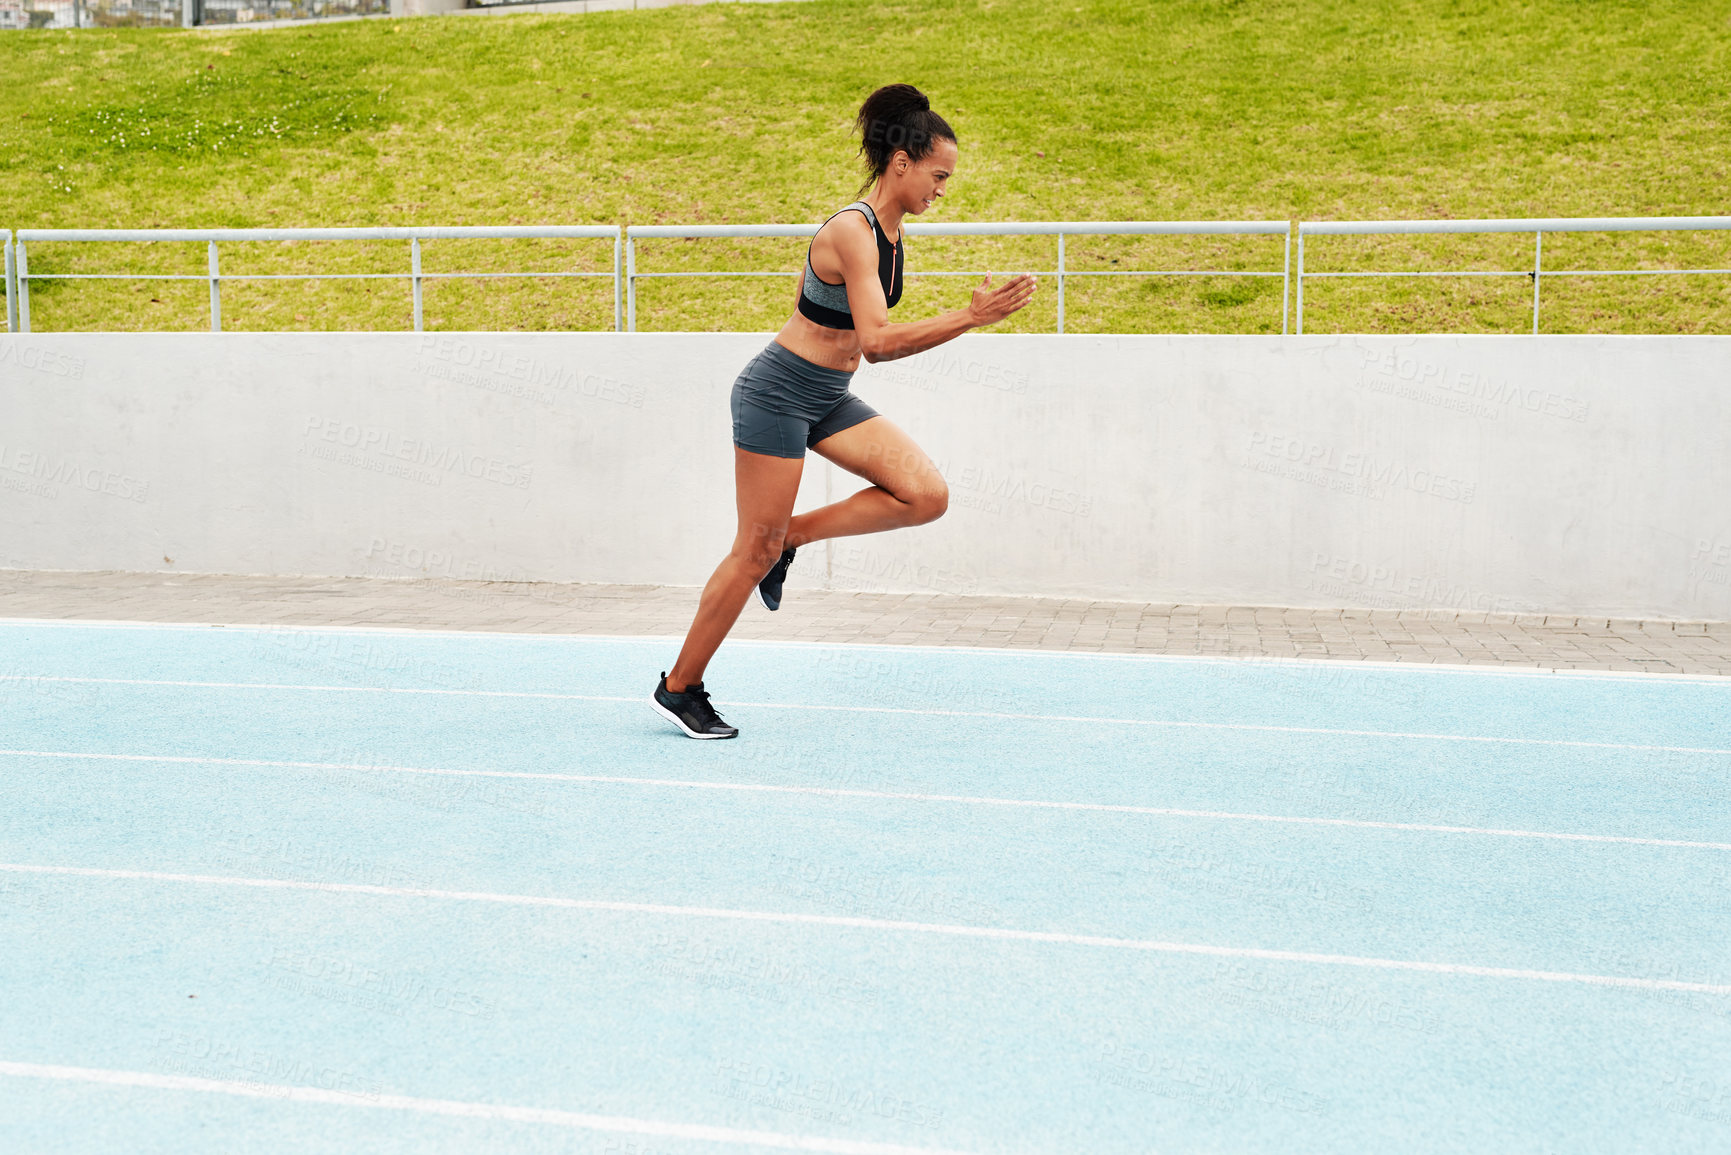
(784, 404)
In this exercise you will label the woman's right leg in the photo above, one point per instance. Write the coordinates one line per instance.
(766, 487)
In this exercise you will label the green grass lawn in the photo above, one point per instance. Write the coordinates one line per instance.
(1097, 110)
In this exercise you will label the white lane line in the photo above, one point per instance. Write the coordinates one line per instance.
(854, 921)
(888, 795)
(1230, 659)
(1082, 718)
(612, 1123)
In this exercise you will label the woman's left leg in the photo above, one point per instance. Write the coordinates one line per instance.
(906, 488)
(765, 488)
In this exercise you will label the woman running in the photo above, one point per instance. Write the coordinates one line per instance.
(794, 395)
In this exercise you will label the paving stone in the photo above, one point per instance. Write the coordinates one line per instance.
(1468, 637)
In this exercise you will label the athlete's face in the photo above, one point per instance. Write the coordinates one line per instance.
(924, 181)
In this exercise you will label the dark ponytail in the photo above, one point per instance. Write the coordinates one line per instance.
(898, 118)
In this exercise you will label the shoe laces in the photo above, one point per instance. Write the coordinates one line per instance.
(704, 709)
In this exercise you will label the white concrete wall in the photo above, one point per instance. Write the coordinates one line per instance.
(426, 7)
(1569, 474)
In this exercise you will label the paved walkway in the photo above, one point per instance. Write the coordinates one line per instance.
(911, 619)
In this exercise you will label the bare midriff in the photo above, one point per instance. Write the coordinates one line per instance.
(819, 344)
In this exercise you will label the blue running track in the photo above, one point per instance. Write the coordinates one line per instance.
(270, 890)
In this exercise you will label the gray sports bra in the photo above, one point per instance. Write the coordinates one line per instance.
(827, 304)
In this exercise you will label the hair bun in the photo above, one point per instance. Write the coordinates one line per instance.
(898, 118)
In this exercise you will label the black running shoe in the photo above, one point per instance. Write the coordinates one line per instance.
(769, 589)
(691, 711)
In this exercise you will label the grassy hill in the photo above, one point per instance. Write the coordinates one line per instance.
(1090, 110)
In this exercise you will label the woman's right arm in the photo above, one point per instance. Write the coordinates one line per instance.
(882, 340)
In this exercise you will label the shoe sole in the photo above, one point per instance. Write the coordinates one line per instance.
(764, 598)
(683, 728)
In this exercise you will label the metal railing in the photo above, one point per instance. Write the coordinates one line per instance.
(10, 284)
(625, 273)
(19, 275)
(184, 13)
(1538, 226)
(1059, 229)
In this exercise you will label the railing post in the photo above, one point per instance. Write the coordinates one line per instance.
(1285, 276)
(630, 284)
(415, 276)
(23, 278)
(1060, 282)
(215, 293)
(11, 288)
(618, 288)
(1301, 278)
(1538, 248)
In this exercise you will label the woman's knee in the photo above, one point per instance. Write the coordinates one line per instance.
(760, 547)
(928, 504)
